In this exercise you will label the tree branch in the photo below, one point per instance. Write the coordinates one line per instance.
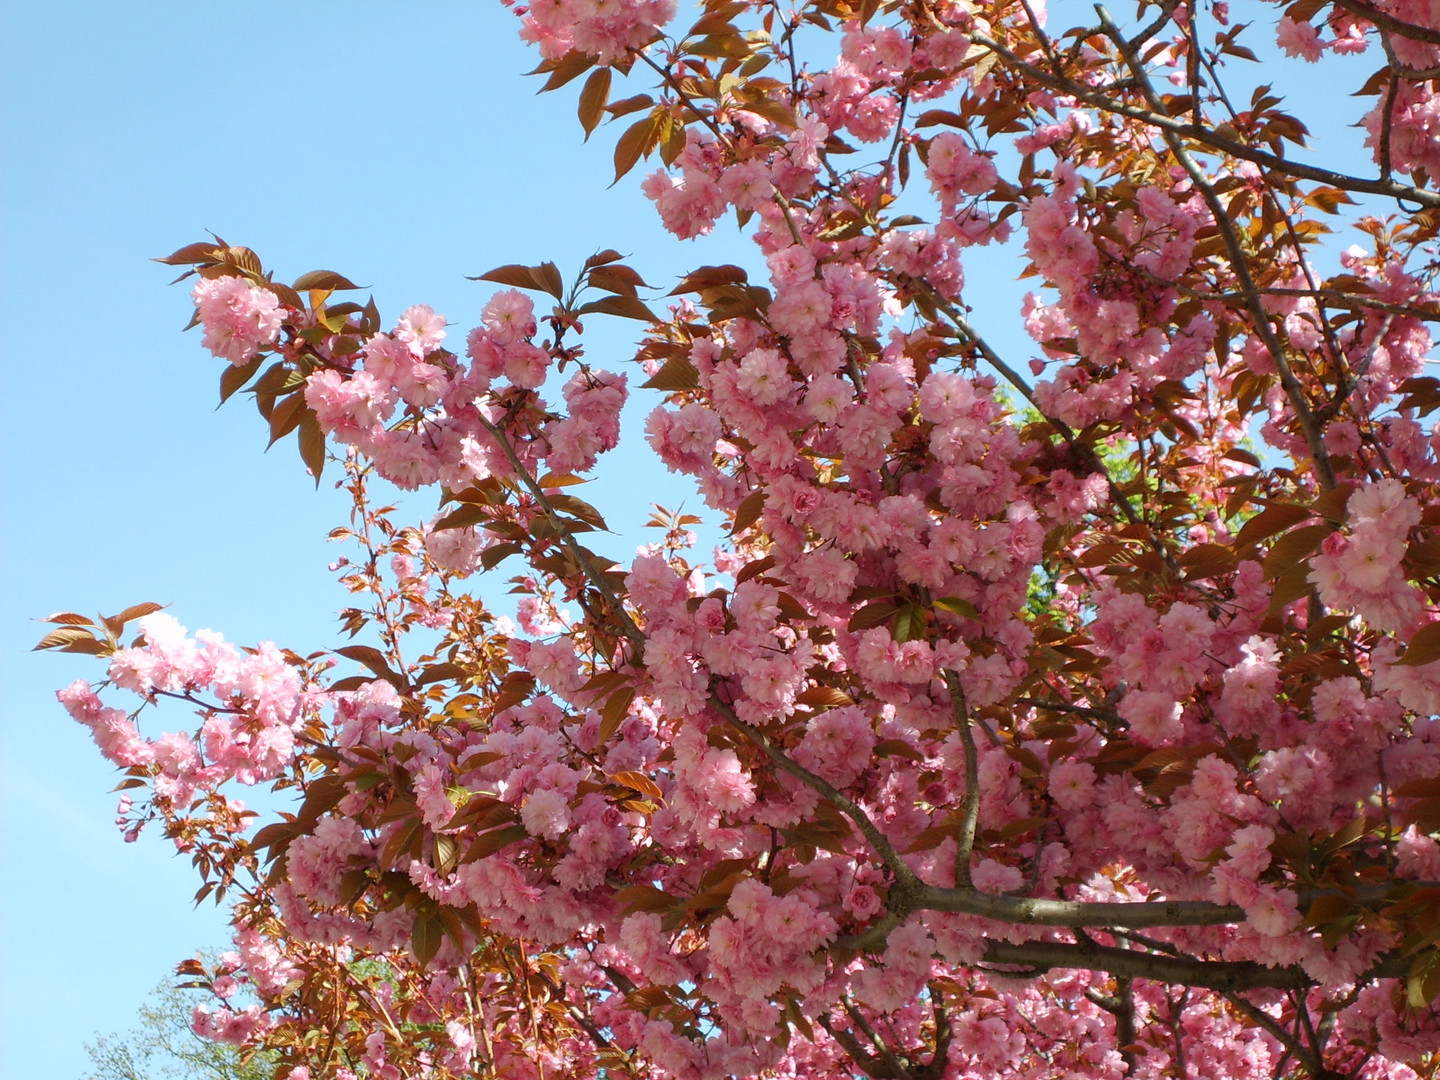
(1209, 137)
(626, 624)
(1222, 976)
(1294, 392)
(970, 807)
(1386, 21)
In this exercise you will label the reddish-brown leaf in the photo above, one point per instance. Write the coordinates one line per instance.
(639, 139)
(312, 443)
(592, 99)
(676, 374)
(285, 417)
(68, 618)
(748, 512)
(1424, 647)
(66, 635)
(327, 280)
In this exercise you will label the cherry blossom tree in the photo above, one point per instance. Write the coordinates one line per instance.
(1068, 713)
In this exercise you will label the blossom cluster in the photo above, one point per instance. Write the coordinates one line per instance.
(248, 735)
(1083, 726)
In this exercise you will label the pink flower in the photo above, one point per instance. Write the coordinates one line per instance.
(862, 901)
(1249, 850)
(1273, 912)
(1072, 785)
(688, 204)
(955, 169)
(574, 445)
(1154, 717)
(526, 364)
(725, 783)
(545, 813)
(763, 377)
(1298, 38)
(239, 318)
(509, 316)
(421, 328)
(837, 745)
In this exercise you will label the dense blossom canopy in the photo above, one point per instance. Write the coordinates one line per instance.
(1070, 714)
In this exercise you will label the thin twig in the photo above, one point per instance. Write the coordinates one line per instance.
(1294, 392)
(970, 807)
(1209, 136)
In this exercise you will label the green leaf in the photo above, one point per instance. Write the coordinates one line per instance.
(904, 627)
(1422, 981)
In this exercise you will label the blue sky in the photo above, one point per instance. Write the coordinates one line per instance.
(395, 143)
(398, 144)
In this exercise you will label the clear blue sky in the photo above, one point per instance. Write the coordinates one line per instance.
(396, 143)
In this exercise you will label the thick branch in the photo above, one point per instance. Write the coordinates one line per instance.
(1384, 20)
(1222, 976)
(970, 809)
(1122, 1007)
(1034, 911)
(1285, 1038)
(1030, 911)
(865, 1061)
(882, 1050)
